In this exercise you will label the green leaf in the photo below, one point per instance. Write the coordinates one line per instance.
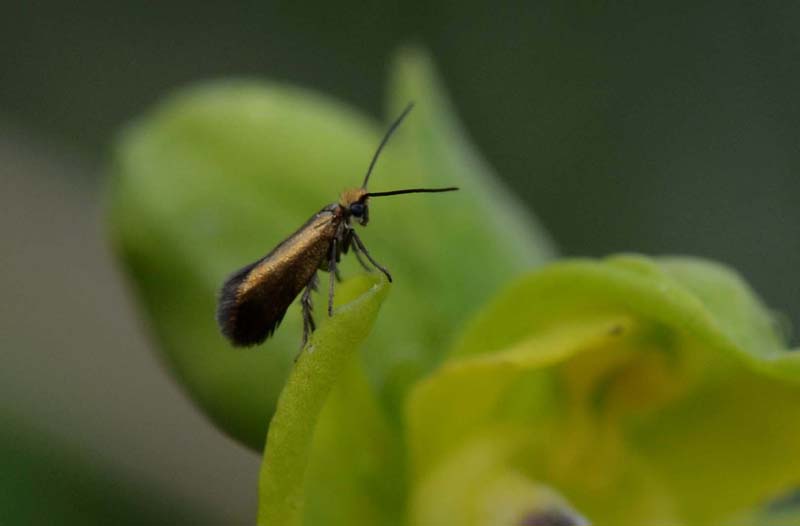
(466, 245)
(319, 368)
(478, 485)
(356, 472)
(648, 390)
(218, 174)
(781, 515)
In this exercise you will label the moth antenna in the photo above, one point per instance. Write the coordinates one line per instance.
(413, 191)
(385, 139)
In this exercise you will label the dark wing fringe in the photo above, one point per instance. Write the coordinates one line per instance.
(242, 322)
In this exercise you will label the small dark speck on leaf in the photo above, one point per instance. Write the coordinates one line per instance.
(616, 330)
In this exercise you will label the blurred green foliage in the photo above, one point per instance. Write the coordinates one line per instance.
(646, 391)
(657, 127)
(630, 390)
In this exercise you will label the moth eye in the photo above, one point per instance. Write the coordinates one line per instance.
(357, 209)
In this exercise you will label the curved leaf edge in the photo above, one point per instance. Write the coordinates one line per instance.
(644, 287)
(318, 368)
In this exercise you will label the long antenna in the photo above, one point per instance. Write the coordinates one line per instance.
(389, 133)
(413, 191)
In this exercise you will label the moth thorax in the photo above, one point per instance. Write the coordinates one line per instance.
(353, 195)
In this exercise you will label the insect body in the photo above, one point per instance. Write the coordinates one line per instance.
(254, 299)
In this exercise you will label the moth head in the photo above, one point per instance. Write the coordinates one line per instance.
(355, 205)
(354, 201)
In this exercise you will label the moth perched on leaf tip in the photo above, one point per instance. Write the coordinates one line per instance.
(255, 298)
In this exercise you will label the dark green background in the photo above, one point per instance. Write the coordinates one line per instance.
(657, 129)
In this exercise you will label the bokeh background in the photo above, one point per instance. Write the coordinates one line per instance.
(659, 129)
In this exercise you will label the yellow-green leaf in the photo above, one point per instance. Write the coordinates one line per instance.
(650, 390)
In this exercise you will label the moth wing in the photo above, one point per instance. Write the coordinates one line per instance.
(251, 317)
(254, 299)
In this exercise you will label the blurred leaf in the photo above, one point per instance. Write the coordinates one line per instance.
(648, 391)
(210, 181)
(479, 486)
(218, 175)
(319, 368)
(466, 246)
(787, 518)
(783, 511)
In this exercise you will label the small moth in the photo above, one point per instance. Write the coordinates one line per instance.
(254, 299)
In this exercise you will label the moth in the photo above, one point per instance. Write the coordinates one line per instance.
(254, 299)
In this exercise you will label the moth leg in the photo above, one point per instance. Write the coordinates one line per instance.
(357, 253)
(362, 248)
(307, 305)
(348, 243)
(338, 275)
(333, 274)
